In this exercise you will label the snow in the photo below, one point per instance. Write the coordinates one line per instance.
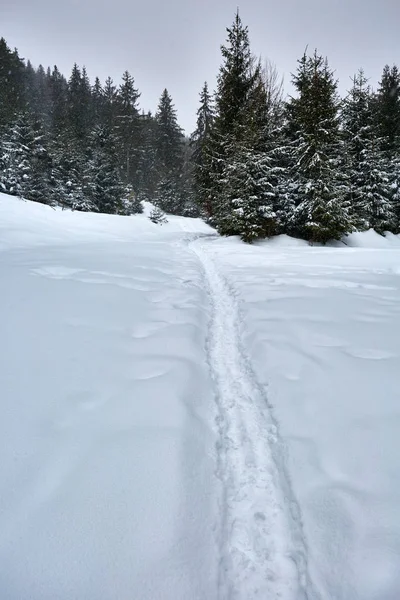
(322, 329)
(107, 486)
(184, 416)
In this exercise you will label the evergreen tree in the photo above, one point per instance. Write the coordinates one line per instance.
(167, 196)
(69, 174)
(78, 108)
(387, 114)
(127, 126)
(147, 175)
(201, 152)
(321, 213)
(169, 143)
(37, 94)
(107, 189)
(12, 81)
(235, 81)
(189, 203)
(98, 103)
(250, 193)
(109, 104)
(370, 190)
(240, 111)
(157, 216)
(58, 89)
(25, 161)
(374, 195)
(387, 106)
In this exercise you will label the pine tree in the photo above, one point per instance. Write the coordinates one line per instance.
(38, 94)
(235, 81)
(321, 213)
(109, 104)
(127, 126)
(107, 189)
(169, 139)
(240, 117)
(251, 194)
(157, 216)
(78, 107)
(69, 174)
(58, 89)
(167, 196)
(201, 152)
(370, 190)
(25, 161)
(387, 121)
(147, 172)
(12, 81)
(387, 107)
(98, 102)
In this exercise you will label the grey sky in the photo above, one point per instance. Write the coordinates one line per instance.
(175, 43)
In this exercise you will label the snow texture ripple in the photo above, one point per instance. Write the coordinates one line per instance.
(263, 552)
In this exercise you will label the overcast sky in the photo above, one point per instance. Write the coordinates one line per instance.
(176, 43)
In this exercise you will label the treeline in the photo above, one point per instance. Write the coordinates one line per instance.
(313, 165)
(87, 147)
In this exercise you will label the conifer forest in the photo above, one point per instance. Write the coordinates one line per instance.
(313, 165)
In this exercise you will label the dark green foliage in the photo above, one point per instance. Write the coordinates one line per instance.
(369, 169)
(235, 133)
(169, 139)
(78, 104)
(235, 81)
(157, 216)
(25, 162)
(106, 190)
(387, 107)
(12, 85)
(167, 196)
(147, 175)
(201, 152)
(127, 126)
(321, 213)
(250, 195)
(255, 166)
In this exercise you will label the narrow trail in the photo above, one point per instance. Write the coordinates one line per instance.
(262, 547)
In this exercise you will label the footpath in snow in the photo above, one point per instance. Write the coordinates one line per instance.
(262, 549)
(184, 416)
(321, 329)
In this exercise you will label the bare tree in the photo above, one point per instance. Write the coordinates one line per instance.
(274, 91)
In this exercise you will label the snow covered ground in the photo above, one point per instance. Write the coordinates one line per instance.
(186, 417)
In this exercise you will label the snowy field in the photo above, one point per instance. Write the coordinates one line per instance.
(184, 417)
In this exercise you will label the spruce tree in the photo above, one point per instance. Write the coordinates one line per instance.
(98, 102)
(25, 161)
(321, 213)
(369, 191)
(387, 106)
(201, 152)
(70, 173)
(106, 188)
(167, 196)
(127, 126)
(232, 130)
(251, 194)
(147, 175)
(78, 107)
(169, 141)
(109, 104)
(12, 85)
(387, 114)
(58, 90)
